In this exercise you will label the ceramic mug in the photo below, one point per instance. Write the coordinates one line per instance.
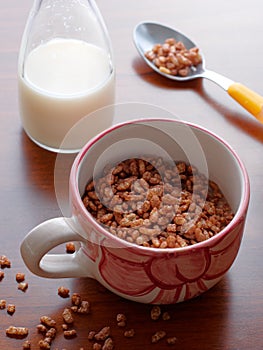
(148, 275)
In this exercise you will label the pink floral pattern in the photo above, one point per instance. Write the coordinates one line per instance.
(168, 277)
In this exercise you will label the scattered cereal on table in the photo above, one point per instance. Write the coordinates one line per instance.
(2, 304)
(4, 262)
(51, 333)
(67, 316)
(11, 308)
(121, 320)
(48, 340)
(166, 316)
(63, 292)
(41, 329)
(19, 332)
(108, 344)
(84, 307)
(23, 286)
(76, 299)
(70, 334)
(48, 321)
(91, 335)
(103, 334)
(156, 337)
(74, 308)
(64, 327)
(2, 275)
(171, 340)
(26, 345)
(130, 333)
(43, 344)
(101, 340)
(20, 277)
(155, 312)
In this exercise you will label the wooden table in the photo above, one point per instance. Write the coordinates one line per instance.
(230, 315)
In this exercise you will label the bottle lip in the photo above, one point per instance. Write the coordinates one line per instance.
(33, 25)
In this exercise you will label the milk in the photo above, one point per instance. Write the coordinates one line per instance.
(63, 81)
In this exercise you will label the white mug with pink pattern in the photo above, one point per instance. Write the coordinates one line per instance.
(148, 275)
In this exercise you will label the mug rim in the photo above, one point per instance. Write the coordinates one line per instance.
(239, 216)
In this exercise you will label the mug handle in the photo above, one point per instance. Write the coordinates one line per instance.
(46, 236)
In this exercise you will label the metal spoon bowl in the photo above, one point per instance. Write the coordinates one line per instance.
(147, 34)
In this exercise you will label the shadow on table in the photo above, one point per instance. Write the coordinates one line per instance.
(37, 164)
(200, 323)
(47, 171)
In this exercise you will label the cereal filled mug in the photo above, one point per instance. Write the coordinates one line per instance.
(158, 213)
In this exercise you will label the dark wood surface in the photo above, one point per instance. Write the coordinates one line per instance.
(229, 316)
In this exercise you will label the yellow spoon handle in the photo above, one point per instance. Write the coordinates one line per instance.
(247, 98)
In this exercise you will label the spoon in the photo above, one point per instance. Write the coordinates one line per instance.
(147, 34)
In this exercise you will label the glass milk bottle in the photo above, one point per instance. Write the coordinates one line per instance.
(65, 72)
